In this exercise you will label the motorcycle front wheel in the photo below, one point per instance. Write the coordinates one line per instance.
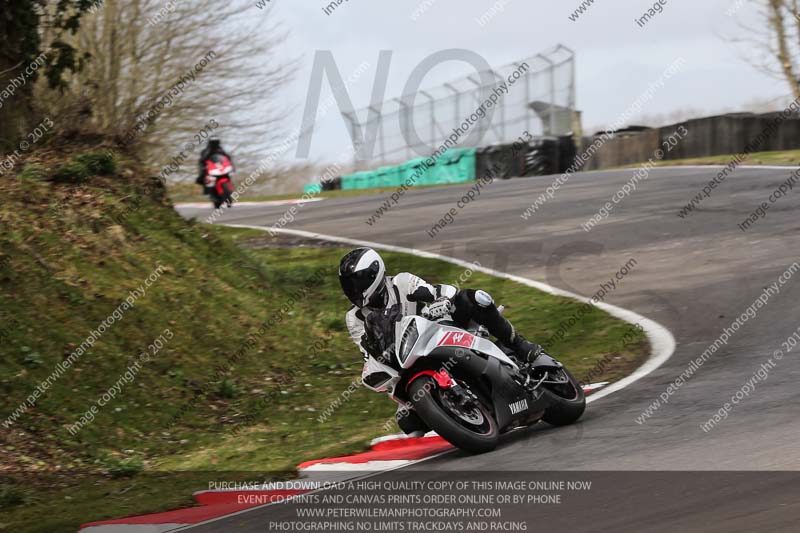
(472, 429)
(568, 399)
(228, 195)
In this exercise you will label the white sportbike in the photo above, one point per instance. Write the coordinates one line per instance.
(465, 387)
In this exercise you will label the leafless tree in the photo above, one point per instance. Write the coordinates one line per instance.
(160, 70)
(772, 40)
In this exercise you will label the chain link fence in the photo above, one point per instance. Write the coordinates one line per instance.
(539, 98)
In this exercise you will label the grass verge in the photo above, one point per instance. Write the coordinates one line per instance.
(778, 158)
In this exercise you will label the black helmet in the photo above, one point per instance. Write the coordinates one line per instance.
(363, 278)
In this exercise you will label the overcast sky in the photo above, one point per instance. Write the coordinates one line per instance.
(616, 59)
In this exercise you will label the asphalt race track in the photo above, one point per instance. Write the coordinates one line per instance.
(694, 275)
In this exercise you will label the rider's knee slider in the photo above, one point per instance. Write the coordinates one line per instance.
(483, 299)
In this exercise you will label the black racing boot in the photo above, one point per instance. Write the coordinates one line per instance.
(410, 422)
(525, 350)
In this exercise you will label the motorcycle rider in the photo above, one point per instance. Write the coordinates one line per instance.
(213, 147)
(379, 299)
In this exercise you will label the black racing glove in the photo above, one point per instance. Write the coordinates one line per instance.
(438, 309)
(422, 294)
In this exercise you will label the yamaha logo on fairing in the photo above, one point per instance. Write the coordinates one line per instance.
(518, 407)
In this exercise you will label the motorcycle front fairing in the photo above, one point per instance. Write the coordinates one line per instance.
(378, 376)
(423, 341)
(221, 171)
(419, 337)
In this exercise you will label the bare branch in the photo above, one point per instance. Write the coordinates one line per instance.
(173, 68)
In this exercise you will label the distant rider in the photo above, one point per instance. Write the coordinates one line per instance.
(213, 148)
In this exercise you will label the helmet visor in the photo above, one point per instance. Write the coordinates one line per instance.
(354, 284)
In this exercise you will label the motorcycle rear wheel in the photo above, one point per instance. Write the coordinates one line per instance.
(473, 431)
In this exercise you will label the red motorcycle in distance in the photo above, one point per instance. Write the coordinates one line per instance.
(218, 182)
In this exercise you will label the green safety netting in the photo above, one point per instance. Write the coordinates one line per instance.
(312, 188)
(359, 180)
(454, 166)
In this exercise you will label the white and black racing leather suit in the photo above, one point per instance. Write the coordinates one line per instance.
(406, 289)
(408, 294)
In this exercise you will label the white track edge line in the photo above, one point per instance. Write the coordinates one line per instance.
(661, 340)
